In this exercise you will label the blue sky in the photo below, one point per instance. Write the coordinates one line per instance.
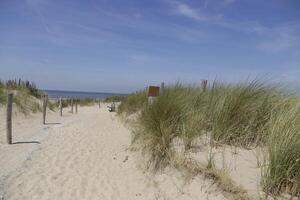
(122, 46)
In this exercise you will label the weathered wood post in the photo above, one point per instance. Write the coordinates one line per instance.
(76, 110)
(204, 85)
(72, 104)
(9, 118)
(153, 93)
(162, 88)
(99, 103)
(60, 106)
(45, 102)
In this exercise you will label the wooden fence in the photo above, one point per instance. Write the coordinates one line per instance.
(45, 102)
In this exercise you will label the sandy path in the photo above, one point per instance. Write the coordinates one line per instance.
(86, 157)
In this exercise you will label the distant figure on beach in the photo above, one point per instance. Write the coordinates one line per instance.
(112, 108)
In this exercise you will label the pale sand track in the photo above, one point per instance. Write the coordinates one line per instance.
(87, 157)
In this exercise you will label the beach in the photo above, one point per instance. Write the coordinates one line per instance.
(85, 156)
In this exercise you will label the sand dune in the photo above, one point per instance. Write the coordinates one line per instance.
(85, 156)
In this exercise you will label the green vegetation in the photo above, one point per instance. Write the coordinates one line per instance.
(30, 87)
(2, 93)
(86, 102)
(133, 103)
(282, 173)
(114, 99)
(26, 95)
(247, 115)
(68, 102)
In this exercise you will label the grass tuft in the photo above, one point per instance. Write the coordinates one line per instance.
(282, 170)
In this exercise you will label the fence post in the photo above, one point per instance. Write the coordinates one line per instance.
(45, 102)
(60, 106)
(76, 100)
(99, 103)
(204, 85)
(72, 104)
(162, 87)
(9, 118)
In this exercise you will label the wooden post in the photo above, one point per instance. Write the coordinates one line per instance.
(204, 85)
(99, 103)
(162, 87)
(9, 118)
(76, 105)
(45, 102)
(72, 104)
(60, 106)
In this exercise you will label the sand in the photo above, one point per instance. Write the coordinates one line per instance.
(85, 156)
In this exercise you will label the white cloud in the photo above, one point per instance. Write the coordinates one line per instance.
(270, 39)
(192, 13)
(187, 11)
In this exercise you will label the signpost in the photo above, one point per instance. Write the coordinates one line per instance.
(153, 93)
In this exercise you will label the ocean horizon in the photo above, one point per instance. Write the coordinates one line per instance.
(54, 94)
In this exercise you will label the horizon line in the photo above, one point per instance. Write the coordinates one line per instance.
(70, 91)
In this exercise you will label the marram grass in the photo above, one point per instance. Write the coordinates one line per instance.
(26, 95)
(133, 103)
(246, 114)
(282, 171)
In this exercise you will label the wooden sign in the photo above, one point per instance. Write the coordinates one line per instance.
(153, 91)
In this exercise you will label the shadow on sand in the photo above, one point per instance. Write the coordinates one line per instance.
(52, 123)
(27, 142)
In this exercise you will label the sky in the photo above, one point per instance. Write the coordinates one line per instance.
(124, 45)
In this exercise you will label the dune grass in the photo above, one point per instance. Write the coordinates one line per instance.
(2, 93)
(25, 102)
(246, 115)
(68, 102)
(282, 171)
(133, 103)
(238, 113)
(111, 99)
(26, 95)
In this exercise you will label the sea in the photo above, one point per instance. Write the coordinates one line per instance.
(55, 94)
